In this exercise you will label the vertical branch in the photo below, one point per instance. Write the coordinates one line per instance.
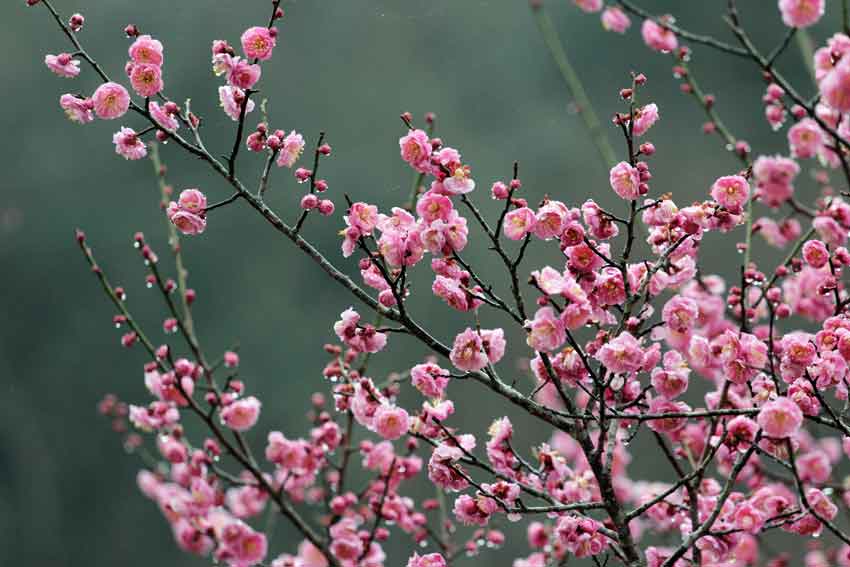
(574, 85)
(173, 241)
(807, 49)
(240, 130)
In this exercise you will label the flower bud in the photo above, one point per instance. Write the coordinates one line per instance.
(76, 22)
(647, 148)
(309, 202)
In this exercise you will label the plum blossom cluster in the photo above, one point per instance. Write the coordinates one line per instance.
(736, 383)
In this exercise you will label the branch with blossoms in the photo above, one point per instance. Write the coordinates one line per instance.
(616, 331)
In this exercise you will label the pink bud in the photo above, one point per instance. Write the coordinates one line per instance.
(128, 339)
(325, 150)
(338, 505)
(774, 294)
(302, 174)
(169, 325)
(76, 22)
(131, 30)
(309, 201)
(149, 255)
(273, 142)
(499, 191)
(321, 185)
(647, 148)
(231, 359)
(183, 367)
(326, 207)
(211, 447)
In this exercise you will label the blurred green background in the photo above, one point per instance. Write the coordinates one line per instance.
(67, 493)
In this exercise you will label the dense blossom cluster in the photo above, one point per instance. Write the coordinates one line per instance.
(740, 385)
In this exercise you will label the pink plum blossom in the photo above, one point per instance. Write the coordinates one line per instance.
(815, 253)
(657, 37)
(231, 100)
(731, 192)
(258, 42)
(615, 20)
(163, 118)
(128, 145)
(625, 181)
(835, 87)
(391, 422)
(77, 109)
(519, 222)
(290, 150)
(146, 79)
(774, 179)
(429, 560)
(241, 415)
(621, 354)
(780, 418)
(63, 65)
(589, 5)
(242, 74)
(468, 351)
(146, 51)
(801, 13)
(645, 118)
(546, 331)
(188, 223)
(416, 149)
(111, 101)
(805, 138)
(429, 379)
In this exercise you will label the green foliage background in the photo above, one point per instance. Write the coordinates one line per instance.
(67, 494)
